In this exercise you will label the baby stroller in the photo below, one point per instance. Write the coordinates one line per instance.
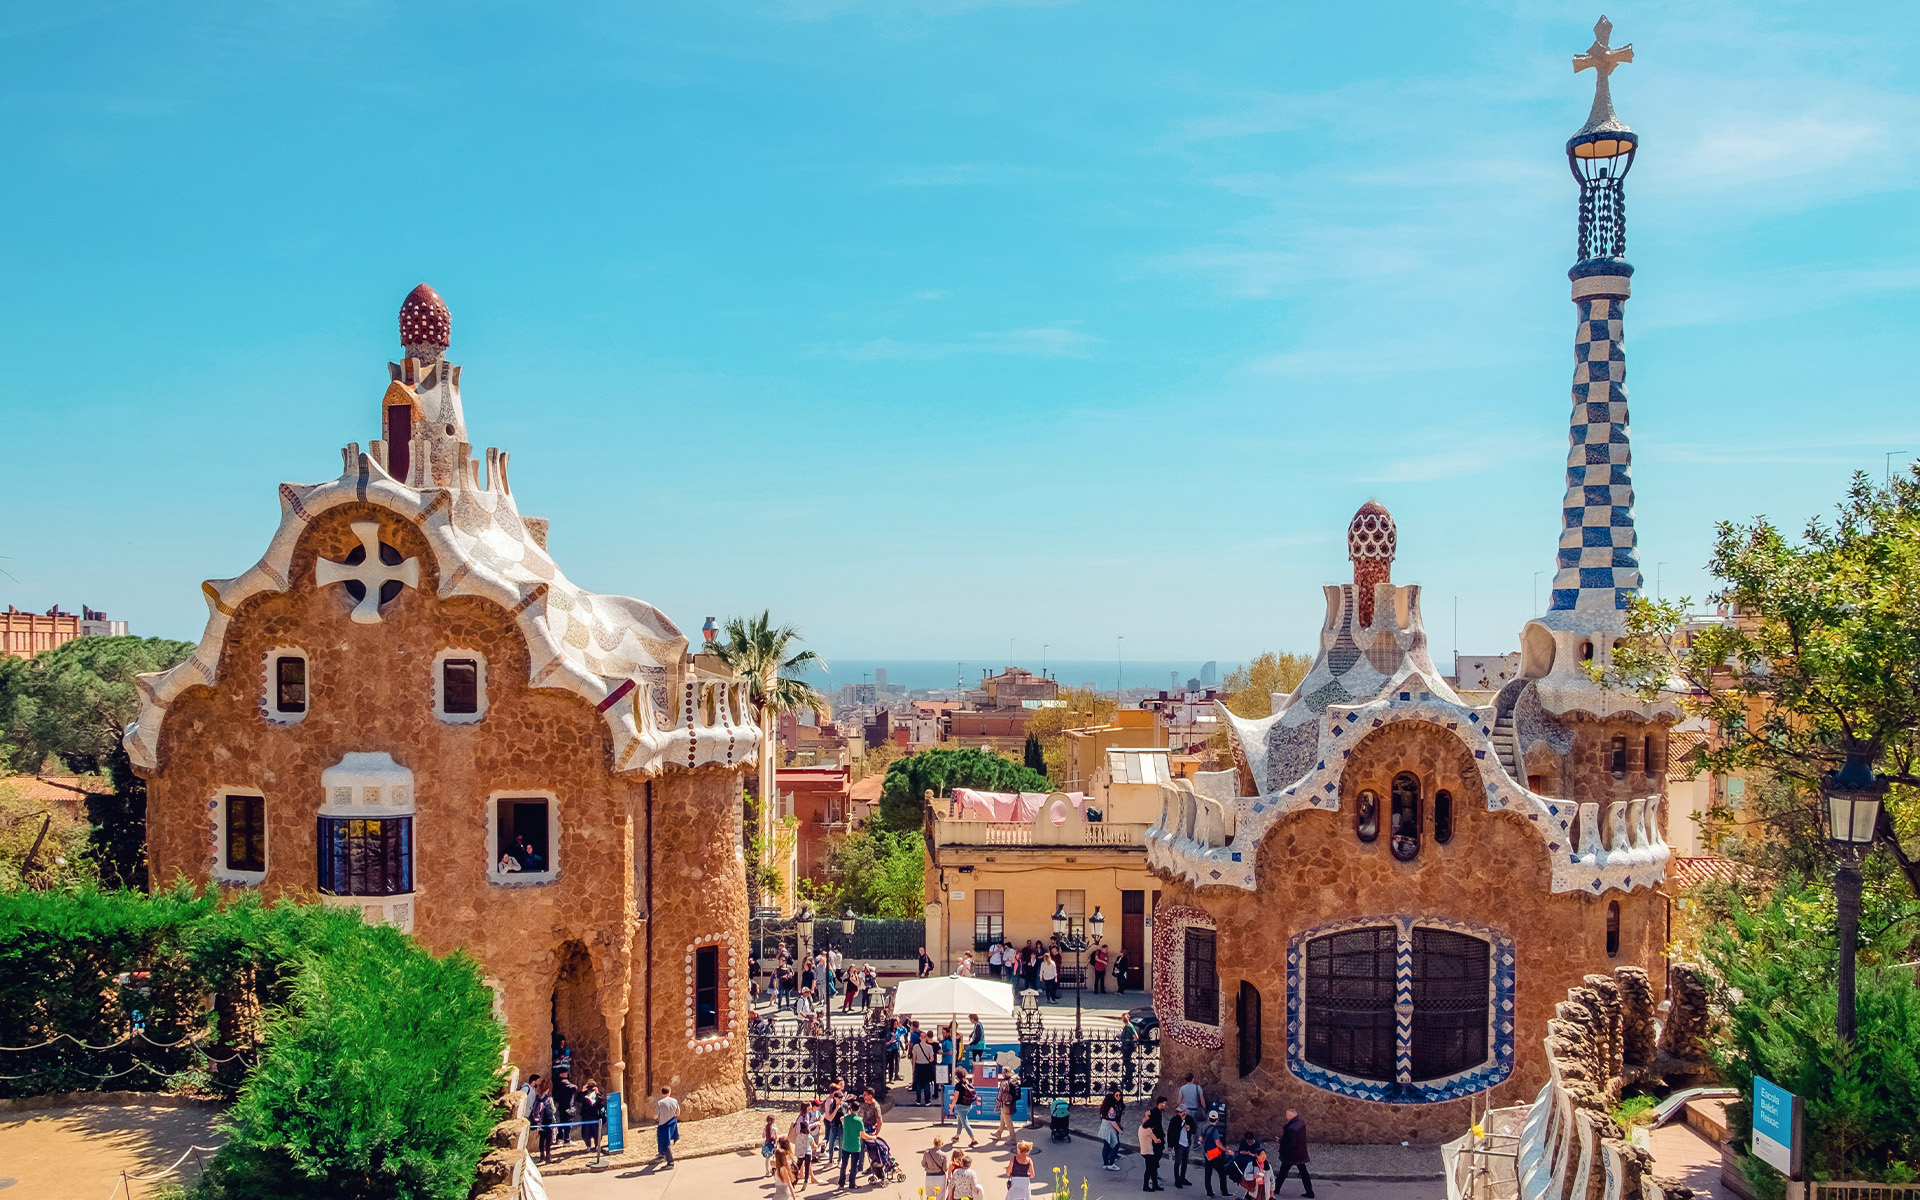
(881, 1167)
(1057, 1129)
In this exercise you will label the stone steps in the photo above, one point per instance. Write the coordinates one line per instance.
(1504, 744)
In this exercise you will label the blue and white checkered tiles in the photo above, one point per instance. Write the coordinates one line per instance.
(1598, 566)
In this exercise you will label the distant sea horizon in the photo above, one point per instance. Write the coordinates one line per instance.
(930, 674)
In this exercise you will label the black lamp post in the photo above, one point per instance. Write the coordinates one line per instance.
(1852, 811)
(803, 927)
(1096, 925)
(1028, 1019)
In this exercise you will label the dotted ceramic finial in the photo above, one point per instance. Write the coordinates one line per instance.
(1371, 540)
(425, 322)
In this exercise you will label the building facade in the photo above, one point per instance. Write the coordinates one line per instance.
(1371, 918)
(25, 634)
(406, 708)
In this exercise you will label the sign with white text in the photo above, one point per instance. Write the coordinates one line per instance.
(616, 1126)
(1777, 1117)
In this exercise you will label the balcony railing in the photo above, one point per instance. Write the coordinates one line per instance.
(954, 832)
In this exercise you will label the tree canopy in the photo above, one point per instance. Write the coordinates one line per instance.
(1816, 656)
(1250, 689)
(72, 705)
(766, 656)
(902, 794)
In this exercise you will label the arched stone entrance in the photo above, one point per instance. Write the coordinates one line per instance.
(576, 1013)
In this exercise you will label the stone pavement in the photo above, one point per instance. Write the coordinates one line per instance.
(1394, 1173)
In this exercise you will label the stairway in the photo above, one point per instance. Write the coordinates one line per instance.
(1504, 744)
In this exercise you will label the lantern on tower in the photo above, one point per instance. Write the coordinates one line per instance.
(1601, 154)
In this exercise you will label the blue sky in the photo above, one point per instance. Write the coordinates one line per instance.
(932, 325)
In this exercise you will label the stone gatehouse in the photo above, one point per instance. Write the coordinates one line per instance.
(405, 707)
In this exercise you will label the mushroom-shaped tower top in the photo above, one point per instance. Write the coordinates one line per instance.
(1371, 539)
(425, 321)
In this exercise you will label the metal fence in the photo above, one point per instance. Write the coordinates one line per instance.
(874, 938)
(1058, 1066)
(1863, 1191)
(797, 1066)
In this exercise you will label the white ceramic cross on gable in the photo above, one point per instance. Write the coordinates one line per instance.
(370, 573)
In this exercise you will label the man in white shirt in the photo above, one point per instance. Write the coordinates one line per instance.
(995, 960)
(666, 1115)
(834, 963)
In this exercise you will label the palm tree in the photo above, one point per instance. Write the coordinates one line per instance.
(766, 658)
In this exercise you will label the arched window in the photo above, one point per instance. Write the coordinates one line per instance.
(1404, 826)
(1619, 757)
(1366, 816)
(1586, 651)
(1247, 1018)
(1650, 757)
(1349, 1018)
(1442, 816)
(1613, 928)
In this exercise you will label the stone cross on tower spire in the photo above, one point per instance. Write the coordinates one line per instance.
(1603, 59)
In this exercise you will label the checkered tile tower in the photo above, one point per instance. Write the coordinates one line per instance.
(1598, 565)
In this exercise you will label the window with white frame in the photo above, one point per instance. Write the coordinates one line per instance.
(240, 836)
(459, 686)
(523, 830)
(285, 695)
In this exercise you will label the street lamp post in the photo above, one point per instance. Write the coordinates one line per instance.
(1852, 811)
(1096, 926)
(1029, 1017)
(803, 929)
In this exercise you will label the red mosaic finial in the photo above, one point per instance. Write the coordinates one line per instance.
(1371, 540)
(424, 319)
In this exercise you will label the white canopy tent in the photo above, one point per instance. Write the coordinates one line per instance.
(953, 996)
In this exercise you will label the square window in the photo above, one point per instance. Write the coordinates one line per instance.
(460, 686)
(246, 830)
(523, 842)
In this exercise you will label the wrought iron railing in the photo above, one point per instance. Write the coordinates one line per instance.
(1060, 1066)
(874, 938)
(799, 1066)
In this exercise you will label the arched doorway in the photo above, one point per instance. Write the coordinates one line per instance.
(576, 1014)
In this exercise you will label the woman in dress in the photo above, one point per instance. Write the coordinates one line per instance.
(962, 1183)
(1020, 1173)
(784, 1171)
(800, 1138)
(768, 1144)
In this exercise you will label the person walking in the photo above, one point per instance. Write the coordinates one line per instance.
(976, 1039)
(804, 1138)
(933, 1161)
(1111, 1133)
(1183, 1135)
(926, 964)
(922, 1054)
(1050, 976)
(540, 1115)
(963, 1098)
(783, 1169)
(1213, 1152)
(1099, 963)
(1008, 1097)
(853, 1148)
(666, 1115)
(1020, 1173)
(833, 1112)
(995, 960)
(592, 1106)
(563, 1095)
(1120, 968)
(1293, 1152)
(1153, 1136)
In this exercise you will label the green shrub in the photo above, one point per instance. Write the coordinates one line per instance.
(378, 1081)
(903, 792)
(1776, 967)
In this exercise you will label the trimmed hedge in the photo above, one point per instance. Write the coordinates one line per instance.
(363, 1065)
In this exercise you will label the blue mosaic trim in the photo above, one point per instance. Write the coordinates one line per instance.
(1404, 1091)
(1597, 559)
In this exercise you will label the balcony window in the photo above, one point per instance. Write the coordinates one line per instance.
(366, 856)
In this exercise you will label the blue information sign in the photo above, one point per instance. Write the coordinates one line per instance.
(616, 1127)
(1776, 1127)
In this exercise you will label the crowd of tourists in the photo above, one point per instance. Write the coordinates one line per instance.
(1039, 966)
(809, 987)
(558, 1108)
